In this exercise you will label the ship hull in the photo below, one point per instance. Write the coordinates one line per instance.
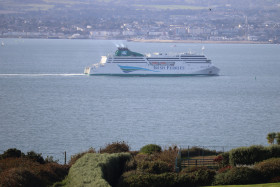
(136, 69)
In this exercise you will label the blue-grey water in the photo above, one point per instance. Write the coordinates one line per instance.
(49, 106)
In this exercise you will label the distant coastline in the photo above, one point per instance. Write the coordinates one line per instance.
(197, 41)
(155, 40)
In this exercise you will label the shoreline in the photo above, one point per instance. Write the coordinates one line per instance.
(157, 40)
(196, 41)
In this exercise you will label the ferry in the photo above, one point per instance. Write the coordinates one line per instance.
(127, 62)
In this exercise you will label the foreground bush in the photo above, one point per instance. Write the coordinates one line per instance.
(150, 180)
(37, 157)
(195, 178)
(169, 156)
(19, 177)
(11, 153)
(31, 155)
(274, 151)
(115, 147)
(237, 176)
(199, 176)
(155, 167)
(222, 160)
(269, 169)
(150, 148)
(253, 154)
(97, 170)
(27, 172)
(248, 155)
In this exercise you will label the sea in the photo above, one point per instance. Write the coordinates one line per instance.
(49, 106)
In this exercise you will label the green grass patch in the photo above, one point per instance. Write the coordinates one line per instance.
(96, 170)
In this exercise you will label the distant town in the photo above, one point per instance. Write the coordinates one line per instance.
(138, 22)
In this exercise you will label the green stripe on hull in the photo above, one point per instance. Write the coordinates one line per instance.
(151, 75)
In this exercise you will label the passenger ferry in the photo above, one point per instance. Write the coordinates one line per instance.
(126, 62)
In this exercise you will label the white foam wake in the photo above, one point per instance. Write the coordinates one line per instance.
(40, 74)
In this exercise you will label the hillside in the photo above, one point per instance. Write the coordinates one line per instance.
(47, 5)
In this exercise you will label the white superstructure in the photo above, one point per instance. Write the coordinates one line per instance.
(126, 62)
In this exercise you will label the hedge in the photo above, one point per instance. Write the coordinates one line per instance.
(238, 176)
(97, 170)
(151, 180)
(155, 167)
(200, 177)
(270, 169)
(253, 154)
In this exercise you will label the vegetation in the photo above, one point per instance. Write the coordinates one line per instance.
(18, 169)
(278, 138)
(94, 169)
(116, 147)
(198, 151)
(269, 169)
(255, 185)
(238, 175)
(151, 148)
(248, 155)
(116, 166)
(74, 158)
(271, 137)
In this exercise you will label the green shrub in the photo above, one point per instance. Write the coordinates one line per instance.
(75, 157)
(222, 159)
(115, 147)
(14, 153)
(184, 180)
(97, 170)
(238, 176)
(274, 151)
(114, 168)
(130, 165)
(169, 156)
(37, 157)
(50, 159)
(225, 159)
(202, 177)
(151, 180)
(150, 148)
(248, 155)
(199, 176)
(154, 167)
(269, 169)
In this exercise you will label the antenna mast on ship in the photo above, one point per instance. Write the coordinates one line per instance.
(202, 50)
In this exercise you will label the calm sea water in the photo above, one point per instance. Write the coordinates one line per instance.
(49, 106)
